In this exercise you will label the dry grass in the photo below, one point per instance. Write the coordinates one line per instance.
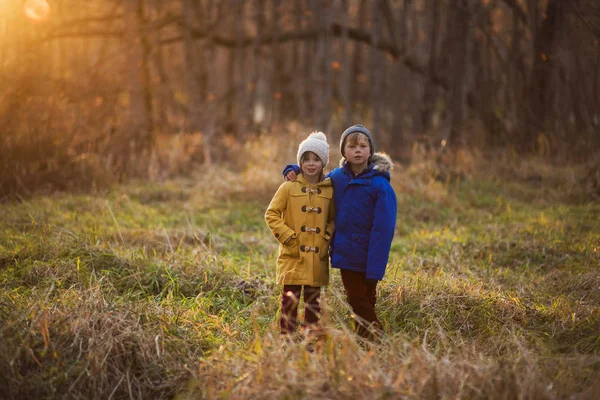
(82, 344)
(344, 369)
(166, 289)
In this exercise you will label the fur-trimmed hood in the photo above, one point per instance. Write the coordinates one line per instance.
(382, 162)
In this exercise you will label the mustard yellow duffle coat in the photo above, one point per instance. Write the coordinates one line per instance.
(304, 214)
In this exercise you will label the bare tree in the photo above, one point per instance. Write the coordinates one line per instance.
(320, 71)
(194, 103)
(164, 93)
(299, 60)
(240, 80)
(211, 101)
(377, 66)
(459, 29)
(138, 119)
(255, 73)
(345, 68)
(545, 69)
(357, 72)
(276, 66)
(430, 90)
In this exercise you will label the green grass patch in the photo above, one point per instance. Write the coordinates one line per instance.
(164, 289)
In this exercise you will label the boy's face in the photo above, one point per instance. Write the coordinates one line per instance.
(311, 165)
(357, 150)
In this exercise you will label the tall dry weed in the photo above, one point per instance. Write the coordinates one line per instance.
(81, 344)
(344, 368)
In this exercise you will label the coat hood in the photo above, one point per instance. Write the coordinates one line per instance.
(382, 162)
(300, 178)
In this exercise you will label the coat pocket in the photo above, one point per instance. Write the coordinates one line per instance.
(323, 245)
(359, 249)
(290, 249)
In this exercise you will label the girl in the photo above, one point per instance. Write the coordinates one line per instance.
(301, 218)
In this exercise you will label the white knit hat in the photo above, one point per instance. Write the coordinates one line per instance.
(317, 143)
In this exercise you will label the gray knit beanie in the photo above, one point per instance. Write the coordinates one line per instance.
(356, 128)
(317, 143)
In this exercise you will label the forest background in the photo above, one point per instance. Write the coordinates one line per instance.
(140, 141)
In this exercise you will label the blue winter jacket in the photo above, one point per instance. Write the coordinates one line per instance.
(365, 217)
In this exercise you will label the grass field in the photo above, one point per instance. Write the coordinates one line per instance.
(161, 290)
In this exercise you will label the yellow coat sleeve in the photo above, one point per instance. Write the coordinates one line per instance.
(274, 216)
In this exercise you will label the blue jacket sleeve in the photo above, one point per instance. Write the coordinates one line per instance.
(291, 167)
(382, 233)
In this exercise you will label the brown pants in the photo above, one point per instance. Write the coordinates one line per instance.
(289, 306)
(362, 296)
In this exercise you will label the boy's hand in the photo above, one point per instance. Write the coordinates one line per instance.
(290, 176)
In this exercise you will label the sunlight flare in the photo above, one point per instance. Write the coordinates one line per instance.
(37, 10)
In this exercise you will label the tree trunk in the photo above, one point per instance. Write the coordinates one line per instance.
(357, 72)
(3, 46)
(413, 89)
(194, 99)
(166, 105)
(459, 29)
(146, 77)
(211, 109)
(255, 74)
(543, 74)
(429, 97)
(299, 57)
(240, 123)
(345, 68)
(327, 68)
(231, 89)
(318, 68)
(138, 121)
(377, 72)
(512, 97)
(276, 66)
(596, 113)
(398, 139)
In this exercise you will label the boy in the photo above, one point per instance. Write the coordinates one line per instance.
(365, 221)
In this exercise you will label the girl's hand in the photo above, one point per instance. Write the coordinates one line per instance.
(291, 176)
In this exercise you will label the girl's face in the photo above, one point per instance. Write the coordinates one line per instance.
(311, 166)
(357, 150)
